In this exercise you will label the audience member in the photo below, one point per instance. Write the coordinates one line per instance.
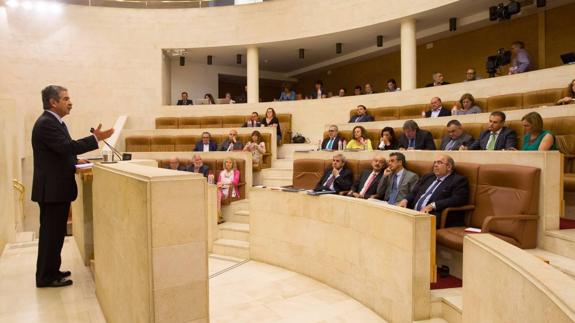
(206, 144)
(184, 100)
(471, 75)
(243, 97)
(360, 140)
(198, 166)
(570, 98)
(272, 121)
(232, 143)
(437, 109)
(210, 98)
(437, 80)
(368, 89)
(257, 147)
(333, 140)
(361, 115)
(438, 190)
(287, 94)
(466, 106)
(387, 140)
(229, 98)
(415, 138)
(342, 92)
(253, 121)
(520, 61)
(337, 178)
(366, 186)
(227, 183)
(497, 136)
(298, 97)
(174, 164)
(535, 137)
(456, 137)
(397, 181)
(391, 86)
(330, 94)
(357, 90)
(318, 91)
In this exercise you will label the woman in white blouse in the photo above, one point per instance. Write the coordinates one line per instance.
(257, 147)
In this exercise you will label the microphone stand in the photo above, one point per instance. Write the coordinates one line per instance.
(114, 151)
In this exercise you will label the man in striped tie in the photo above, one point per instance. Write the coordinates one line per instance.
(438, 190)
(366, 186)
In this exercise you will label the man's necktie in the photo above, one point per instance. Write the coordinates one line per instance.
(419, 205)
(329, 145)
(367, 183)
(65, 129)
(411, 143)
(394, 190)
(329, 181)
(450, 145)
(492, 139)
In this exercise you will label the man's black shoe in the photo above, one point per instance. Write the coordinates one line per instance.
(61, 282)
(65, 274)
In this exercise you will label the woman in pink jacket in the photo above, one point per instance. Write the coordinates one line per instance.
(228, 181)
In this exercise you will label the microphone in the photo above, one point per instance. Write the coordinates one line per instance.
(114, 150)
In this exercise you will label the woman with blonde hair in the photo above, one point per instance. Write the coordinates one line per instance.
(228, 181)
(257, 147)
(535, 137)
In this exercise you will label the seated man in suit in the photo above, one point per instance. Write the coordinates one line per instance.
(456, 137)
(362, 115)
(337, 178)
(232, 143)
(438, 80)
(437, 109)
(253, 121)
(185, 100)
(206, 144)
(198, 166)
(497, 136)
(439, 190)
(366, 186)
(175, 164)
(415, 138)
(397, 181)
(332, 142)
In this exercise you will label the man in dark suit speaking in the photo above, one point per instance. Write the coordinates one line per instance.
(54, 186)
(439, 189)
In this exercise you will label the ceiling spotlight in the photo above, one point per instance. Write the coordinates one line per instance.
(379, 41)
(301, 53)
(239, 59)
(452, 24)
(338, 48)
(209, 59)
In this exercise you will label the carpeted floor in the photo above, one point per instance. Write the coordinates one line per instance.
(565, 223)
(447, 282)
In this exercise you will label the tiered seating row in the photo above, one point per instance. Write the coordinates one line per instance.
(513, 101)
(489, 185)
(157, 143)
(215, 166)
(234, 121)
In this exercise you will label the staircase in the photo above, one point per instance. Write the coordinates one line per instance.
(234, 235)
(281, 172)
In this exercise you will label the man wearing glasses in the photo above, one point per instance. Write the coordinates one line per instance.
(206, 144)
(232, 143)
(333, 139)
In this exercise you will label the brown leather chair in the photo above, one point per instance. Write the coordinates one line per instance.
(547, 97)
(351, 164)
(211, 122)
(385, 113)
(482, 103)
(505, 102)
(420, 167)
(186, 143)
(307, 172)
(566, 145)
(233, 121)
(412, 111)
(167, 123)
(138, 143)
(162, 143)
(506, 205)
(285, 126)
(189, 123)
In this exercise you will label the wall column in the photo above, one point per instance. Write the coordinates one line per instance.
(408, 55)
(253, 75)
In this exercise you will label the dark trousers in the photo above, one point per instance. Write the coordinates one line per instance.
(53, 221)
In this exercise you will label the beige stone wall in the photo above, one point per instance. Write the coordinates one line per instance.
(506, 284)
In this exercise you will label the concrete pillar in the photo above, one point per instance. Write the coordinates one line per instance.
(253, 75)
(408, 55)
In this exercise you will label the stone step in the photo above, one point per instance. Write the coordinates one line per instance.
(277, 181)
(277, 172)
(286, 150)
(282, 163)
(229, 210)
(564, 264)
(232, 248)
(235, 231)
(447, 304)
(25, 236)
(433, 320)
(242, 216)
